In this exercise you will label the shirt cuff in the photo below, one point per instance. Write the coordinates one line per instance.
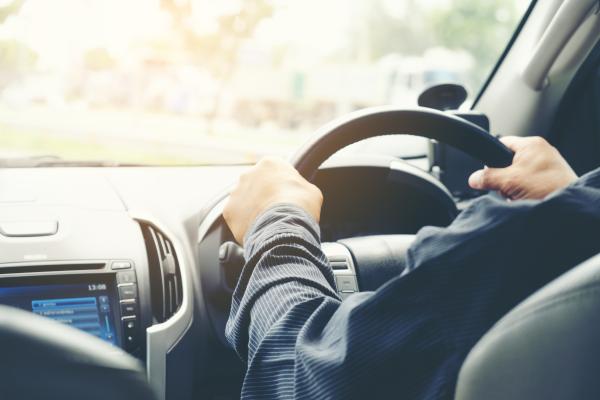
(282, 218)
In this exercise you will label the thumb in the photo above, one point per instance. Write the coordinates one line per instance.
(488, 179)
(476, 180)
(515, 143)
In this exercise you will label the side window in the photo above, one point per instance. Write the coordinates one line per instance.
(576, 128)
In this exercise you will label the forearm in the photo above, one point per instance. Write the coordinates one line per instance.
(285, 271)
(411, 336)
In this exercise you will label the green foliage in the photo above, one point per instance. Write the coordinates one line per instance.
(16, 56)
(10, 9)
(473, 25)
(218, 50)
(408, 34)
(98, 59)
(479, 27)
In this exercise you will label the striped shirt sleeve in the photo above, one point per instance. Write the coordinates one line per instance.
(409, 338)
(285, 283)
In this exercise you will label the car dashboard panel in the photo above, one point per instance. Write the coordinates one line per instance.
(103, 250)
(98, 292)
(114, 252)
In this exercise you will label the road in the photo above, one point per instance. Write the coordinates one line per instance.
(134, 137)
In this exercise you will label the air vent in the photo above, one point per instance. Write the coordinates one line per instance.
(165, 276)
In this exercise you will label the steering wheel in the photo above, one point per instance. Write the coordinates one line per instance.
(373, 258)
(380, 121)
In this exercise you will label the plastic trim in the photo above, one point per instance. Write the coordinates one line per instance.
(160, 338)
(565, 23)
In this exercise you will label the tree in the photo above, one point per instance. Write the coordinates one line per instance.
(10, 9)
(218, 51)
(387, 33)
(478, 27)
(15, 56)
(98, 59)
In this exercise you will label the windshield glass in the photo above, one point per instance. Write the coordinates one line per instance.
(180, 82)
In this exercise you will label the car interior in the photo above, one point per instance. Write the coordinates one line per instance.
(140, 257)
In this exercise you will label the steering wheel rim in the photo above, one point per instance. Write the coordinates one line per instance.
(391, 120)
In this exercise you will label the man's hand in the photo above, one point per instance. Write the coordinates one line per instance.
(271, 181)
(537, 170)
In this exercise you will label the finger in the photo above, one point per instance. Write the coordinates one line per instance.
(476, 180)
(515, 143)
(488, 179)
(273, 161)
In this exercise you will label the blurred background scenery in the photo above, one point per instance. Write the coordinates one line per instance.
(168, 82)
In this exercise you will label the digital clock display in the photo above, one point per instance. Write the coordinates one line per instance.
(93, 287)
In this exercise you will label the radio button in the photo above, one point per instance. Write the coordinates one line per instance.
(127, 291)
(130, 334)
(120, 265)
(126, 277)
(128, 308)
(346, 283)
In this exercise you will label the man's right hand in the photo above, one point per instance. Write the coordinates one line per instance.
(271, 181)
(537, 170)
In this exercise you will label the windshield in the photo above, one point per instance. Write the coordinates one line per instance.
(182, 82)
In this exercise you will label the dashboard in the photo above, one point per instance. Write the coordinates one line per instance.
(106, 250)
(114, 252)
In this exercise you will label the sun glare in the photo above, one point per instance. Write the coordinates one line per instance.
(187, 81)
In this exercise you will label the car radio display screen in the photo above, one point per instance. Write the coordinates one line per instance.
(89, 306)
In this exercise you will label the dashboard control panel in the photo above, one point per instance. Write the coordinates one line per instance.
(128, 304)
(342, 265)
(99, 298)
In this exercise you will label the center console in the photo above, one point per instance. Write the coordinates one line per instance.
(92, 250)
(100, 298)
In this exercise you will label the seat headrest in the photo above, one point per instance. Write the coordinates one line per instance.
(548, 347)
(44, 359)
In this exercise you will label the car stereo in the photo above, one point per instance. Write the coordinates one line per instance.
(102, 304)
